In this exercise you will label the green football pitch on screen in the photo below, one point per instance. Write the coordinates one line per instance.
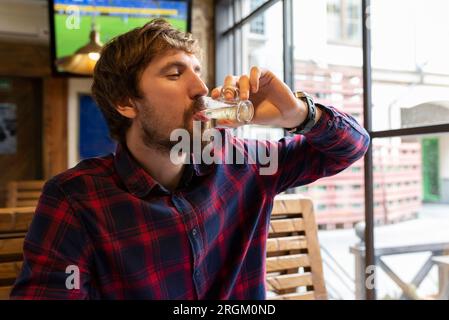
(69, 39)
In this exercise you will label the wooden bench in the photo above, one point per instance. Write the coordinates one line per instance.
(294, 266)
(24, 193)
(14, 223)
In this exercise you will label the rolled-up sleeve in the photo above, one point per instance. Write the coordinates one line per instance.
(335, 142)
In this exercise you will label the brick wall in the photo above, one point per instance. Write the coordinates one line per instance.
(203, 29)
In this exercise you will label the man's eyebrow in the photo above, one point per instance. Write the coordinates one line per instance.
(181, 64)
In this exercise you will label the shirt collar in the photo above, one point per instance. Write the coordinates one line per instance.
(139, 182)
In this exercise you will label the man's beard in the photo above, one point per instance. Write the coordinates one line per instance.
(155, 138)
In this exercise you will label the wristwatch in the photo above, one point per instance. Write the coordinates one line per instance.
(310, 121)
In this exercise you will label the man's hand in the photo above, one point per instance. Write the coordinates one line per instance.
(274, 102)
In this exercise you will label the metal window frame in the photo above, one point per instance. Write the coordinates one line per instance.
(225, 8)
(370, 293)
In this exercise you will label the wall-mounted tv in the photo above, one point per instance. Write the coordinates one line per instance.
(79, 27)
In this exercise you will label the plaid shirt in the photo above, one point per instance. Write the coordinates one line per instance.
(131, 238)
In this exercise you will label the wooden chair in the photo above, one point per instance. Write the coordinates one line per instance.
(14, 223)
(294, 265)
(23, 193)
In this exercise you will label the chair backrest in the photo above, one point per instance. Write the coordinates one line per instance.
(24, 193)
(293, 265)
(14, 223)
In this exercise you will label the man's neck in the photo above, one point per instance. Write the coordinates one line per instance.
(155, 162)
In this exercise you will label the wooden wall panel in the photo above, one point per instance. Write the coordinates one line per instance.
(27, 60)
(55, 126)
(24, 59)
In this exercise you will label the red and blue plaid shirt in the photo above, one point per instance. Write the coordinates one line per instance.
(131, 238)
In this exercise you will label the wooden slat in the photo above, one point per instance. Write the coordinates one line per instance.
(286, 243)
(26, 203)
(15, 219)
(287, 262)
(10, 270)
(24, 193)
(295, 296)
(4, 292)
(316, 263)
(11, 249)
(289, 281)
(9, 210)
(286, 225)
(29, 195)
(30, 185)
(288, 204)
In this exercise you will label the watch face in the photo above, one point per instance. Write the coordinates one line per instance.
(300, 94)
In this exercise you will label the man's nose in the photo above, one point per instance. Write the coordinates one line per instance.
(198, 87)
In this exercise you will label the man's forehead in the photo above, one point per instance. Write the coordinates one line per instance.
(172, 56)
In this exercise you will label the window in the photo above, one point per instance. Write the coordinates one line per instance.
(410, 126)
(412, 211)
(257, 26)
(411, 82)
(344, 21)
(258, 43)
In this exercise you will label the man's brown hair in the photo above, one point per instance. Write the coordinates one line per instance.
(123, 59)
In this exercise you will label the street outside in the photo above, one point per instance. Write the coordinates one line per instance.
(431, 226)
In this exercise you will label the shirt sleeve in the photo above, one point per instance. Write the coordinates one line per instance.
(334, 143)
(55, 252)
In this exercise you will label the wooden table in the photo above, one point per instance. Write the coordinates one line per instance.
(409, 289)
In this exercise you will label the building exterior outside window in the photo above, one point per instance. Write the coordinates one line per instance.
(257, 26)
(344, 21)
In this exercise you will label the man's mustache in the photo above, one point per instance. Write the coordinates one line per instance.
(198, 105)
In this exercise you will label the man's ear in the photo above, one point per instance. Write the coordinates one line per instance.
(128, 111)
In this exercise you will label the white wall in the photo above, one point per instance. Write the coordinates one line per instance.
(24, 20)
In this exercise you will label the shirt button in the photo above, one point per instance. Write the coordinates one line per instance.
(197, 274)
(329, 122)
(194, 232)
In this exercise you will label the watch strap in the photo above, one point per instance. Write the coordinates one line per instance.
(310, 120)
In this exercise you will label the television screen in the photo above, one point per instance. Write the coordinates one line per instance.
(73, 22)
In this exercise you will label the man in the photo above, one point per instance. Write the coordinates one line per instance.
(136, 225)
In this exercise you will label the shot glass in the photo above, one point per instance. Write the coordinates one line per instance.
(235, 111)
